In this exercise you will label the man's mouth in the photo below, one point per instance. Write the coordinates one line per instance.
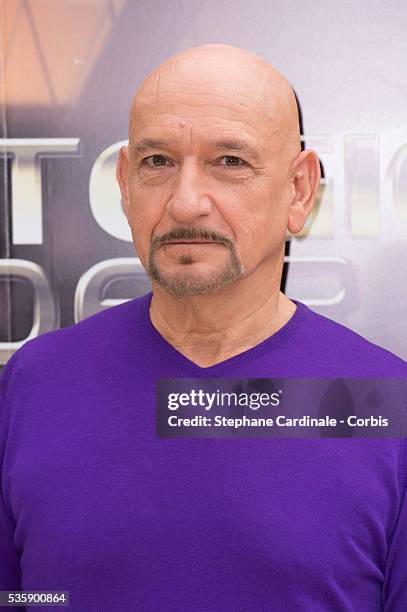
(190, 242)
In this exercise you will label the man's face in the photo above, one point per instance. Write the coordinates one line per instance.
(208, 182)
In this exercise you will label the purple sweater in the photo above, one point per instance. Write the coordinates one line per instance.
(92, 502)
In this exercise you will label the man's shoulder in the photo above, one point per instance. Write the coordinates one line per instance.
(103, 332)
(337, 343)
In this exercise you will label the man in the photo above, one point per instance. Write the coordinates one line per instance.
(93, 502)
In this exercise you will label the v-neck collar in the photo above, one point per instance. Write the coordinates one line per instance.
(180, 361)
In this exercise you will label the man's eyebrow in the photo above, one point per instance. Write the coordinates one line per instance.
(241, 146)
(149, 143)
(237, 145)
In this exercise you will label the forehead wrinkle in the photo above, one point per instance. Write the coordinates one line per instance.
(232, 136)
(226, 113)
(205, 93)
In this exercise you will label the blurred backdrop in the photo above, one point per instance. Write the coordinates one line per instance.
(68, 70)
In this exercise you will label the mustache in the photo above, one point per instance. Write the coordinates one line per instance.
(191, 233)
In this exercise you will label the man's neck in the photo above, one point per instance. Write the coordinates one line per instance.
(210, 328)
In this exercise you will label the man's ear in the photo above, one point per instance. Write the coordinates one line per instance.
(122, 170)
(305, 176)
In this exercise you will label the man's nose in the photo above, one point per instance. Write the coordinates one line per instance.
(190, 197)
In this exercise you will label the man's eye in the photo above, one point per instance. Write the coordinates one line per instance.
(230, 161)
(155, 161)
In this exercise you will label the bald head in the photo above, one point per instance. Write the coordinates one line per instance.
(222, 75)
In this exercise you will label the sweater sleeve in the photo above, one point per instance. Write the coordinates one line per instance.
(395, 588)
(10, 575)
